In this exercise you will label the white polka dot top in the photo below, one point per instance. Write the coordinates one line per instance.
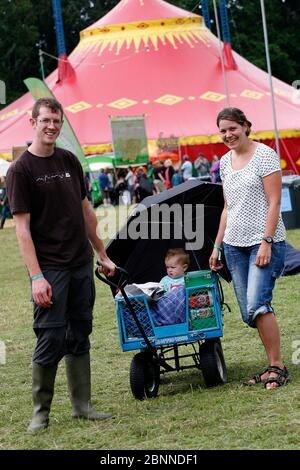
(247, 203)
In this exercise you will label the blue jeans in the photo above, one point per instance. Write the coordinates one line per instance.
(253, 285)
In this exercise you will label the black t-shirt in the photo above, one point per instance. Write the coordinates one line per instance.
(51, 189)
(158, 171)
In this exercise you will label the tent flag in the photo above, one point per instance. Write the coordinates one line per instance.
(67, 138)
(129, 140)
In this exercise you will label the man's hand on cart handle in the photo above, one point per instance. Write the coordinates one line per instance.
(106, 266)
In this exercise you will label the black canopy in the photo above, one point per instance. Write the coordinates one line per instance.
(144, 258)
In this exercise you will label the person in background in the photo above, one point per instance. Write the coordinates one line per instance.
(4, 205)
(159, 179)
(144, 187)
(130, 184)
(215, 170)
(149, 172)
(169, 172)
(120, 186)
(202, 166)
(177, 177)
(252, 234)
(104, 187)
(56, 230)
(186, 168)
(88, 186)
(111, 186)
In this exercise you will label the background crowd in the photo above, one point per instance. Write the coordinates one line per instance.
(131, 185)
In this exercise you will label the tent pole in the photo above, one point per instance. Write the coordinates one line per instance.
(179, 151)
(41, 58)
(263, 14)
(221, 54)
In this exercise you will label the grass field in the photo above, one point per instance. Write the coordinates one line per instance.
(185, 415)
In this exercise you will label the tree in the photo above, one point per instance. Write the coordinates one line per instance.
(283, 34)
(19, 34)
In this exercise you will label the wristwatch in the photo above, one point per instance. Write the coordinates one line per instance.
(268, 239)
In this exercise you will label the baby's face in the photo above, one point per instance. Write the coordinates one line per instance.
(175, 268)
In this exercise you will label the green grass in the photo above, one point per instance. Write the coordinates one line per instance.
(185, 415)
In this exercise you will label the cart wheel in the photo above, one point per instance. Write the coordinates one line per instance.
(212, 362)
(144, 376)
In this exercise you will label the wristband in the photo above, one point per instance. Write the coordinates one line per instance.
(37, 276)
(218, 246)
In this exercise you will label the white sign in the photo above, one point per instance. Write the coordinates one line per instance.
(286, 205)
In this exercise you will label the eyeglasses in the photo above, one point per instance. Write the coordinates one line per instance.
(47, 121)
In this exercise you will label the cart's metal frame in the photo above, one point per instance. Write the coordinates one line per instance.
(165, 339)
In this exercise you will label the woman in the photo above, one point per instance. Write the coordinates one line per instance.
(252, 234)
(169, 172)
(215, 170)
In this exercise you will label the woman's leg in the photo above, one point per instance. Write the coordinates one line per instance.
(270, 336)
(254, 294)
(261, 282)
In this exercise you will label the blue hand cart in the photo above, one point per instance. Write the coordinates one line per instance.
(160, 342)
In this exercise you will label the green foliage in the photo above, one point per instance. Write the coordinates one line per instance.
(18, 35)
(283, 35)
(24, 29)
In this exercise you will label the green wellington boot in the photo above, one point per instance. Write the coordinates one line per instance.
(79, 380)
(43, 379)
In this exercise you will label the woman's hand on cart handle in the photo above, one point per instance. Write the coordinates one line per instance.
(215, 261)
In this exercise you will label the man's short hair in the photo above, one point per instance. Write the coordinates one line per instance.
(180, 253)
(50, 103)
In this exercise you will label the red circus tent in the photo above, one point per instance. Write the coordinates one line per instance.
(149, 57)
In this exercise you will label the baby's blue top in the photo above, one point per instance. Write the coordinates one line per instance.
(170, 283)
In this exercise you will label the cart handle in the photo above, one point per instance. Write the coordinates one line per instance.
(122, 284)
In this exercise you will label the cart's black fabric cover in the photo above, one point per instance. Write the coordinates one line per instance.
(292, 261)
(144, 259)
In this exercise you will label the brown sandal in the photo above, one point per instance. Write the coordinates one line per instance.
(257, 378)
(281, 379)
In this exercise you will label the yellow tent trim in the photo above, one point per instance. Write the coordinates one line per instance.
(176, 31)
(100, 148)
(6, 156)
(216, 139)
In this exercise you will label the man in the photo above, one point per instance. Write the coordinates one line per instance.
(202, 166)
(104, 187)
(55, 227)
(186, 168)
(158, 175)
(129, 178)
(5, 207)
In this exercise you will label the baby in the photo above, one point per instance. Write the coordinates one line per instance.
(177, 262)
